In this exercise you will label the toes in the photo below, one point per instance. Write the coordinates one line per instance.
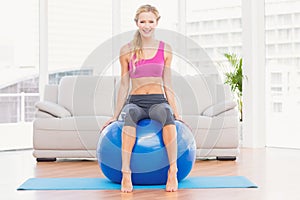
(126, 187)
(171, 188)
(126, 190)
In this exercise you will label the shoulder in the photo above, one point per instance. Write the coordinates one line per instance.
(125, 53)
(167, 51)
(167, 48)
(126, 49)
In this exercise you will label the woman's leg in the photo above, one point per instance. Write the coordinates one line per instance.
(170, 141)
(128, 140)
(163, 113)
(133, 114)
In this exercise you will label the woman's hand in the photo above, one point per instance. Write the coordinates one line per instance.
(111, 120)
(178, 118)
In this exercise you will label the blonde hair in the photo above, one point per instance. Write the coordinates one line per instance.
(137, 40)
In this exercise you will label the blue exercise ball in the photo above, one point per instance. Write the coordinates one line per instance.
(149, 160)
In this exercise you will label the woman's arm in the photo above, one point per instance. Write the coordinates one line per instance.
(167, 80)
(124, 85)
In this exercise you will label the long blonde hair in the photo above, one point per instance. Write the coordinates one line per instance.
(137, 40)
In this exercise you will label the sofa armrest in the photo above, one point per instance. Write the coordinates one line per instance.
(230, 112)
(42, 114)
(53, 109)
(219, 108)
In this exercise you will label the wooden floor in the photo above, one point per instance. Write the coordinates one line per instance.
(275, 171)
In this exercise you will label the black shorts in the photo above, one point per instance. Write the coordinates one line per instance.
(153, 106)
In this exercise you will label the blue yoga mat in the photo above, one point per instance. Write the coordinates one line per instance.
(105, 184)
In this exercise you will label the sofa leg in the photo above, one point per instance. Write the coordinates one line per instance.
(46, 159)
(226, 158)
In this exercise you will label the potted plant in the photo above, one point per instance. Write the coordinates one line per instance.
(234, 78)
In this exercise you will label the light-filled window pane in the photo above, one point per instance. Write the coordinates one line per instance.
(19, 60)
(220, 29)
(276, 78)
(76, 29)
(283, 67)
(19, 69)
(277, 107)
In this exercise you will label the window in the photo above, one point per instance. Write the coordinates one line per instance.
(285, 34)
(223, 38)
(76, 28)
(297, 17)
(282, 27)
(276, 89)
(297, 33)
(235, 49)
(236, 23)
(270, 20)
(208, 25)
(270, 50)
(54, 78)
(221, 28)
(207, 39)
(236, 37)
(19, 60)
(277, 107)
(222, 50)
(17, 101)
(19, 68)
(271, 36)
(297, 63)
(193, 27)
(222, 24)
(276, 78)
(195, 38)
(297, 47)
(285, 49)
(285, 19)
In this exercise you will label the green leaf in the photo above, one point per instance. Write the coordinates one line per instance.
(235, 78)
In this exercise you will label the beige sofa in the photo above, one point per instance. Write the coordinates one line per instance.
(69, 118)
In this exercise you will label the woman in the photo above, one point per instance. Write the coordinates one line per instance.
(146, 62)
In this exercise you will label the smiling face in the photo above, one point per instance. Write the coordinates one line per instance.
(146, 22)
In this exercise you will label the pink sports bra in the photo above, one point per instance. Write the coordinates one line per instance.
(152, 67)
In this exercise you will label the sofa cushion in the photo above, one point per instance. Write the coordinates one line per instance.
(65, 141)
(204, 122)
(87, 95)
(216, 138)
(53, 109)
(193, 94)
(83, 123)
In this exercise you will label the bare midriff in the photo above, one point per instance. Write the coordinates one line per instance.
(146, 85)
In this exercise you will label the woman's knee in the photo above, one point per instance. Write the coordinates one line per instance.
(132, 115)
(162, 113)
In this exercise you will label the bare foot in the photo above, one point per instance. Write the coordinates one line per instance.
(172, 183)
(126, 184)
